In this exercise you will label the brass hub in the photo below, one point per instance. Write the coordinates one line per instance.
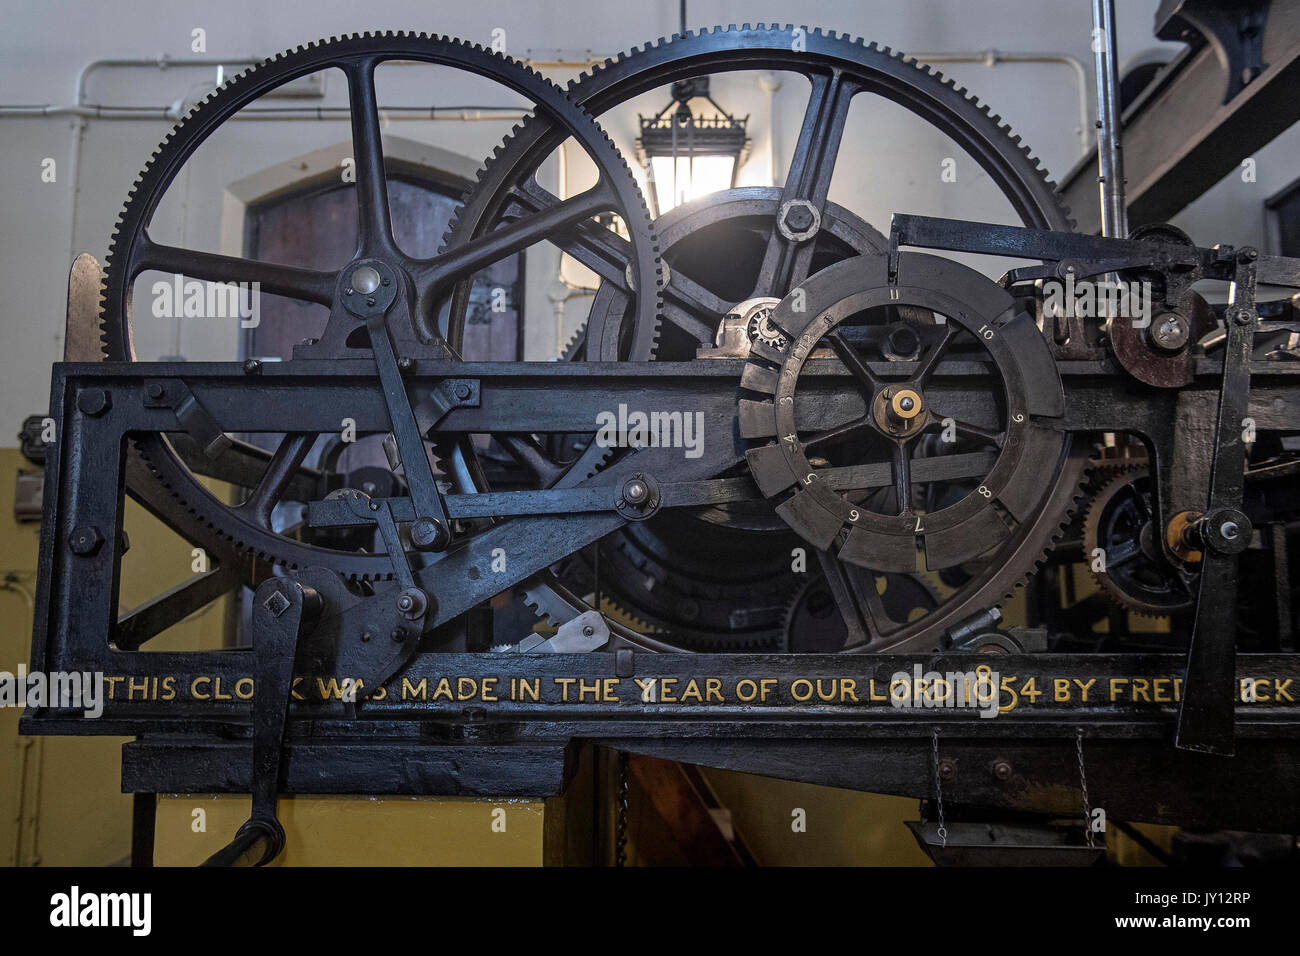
(899, 411)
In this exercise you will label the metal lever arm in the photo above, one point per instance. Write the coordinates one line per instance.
(281, 608)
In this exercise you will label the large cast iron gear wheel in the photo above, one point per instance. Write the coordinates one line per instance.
(822, 461)
(838, 68)
(1118, 521)
(132, 251)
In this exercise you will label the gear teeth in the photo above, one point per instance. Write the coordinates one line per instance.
(157, 175)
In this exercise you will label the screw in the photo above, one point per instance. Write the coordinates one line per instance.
(1242, 316)
(347, 291)
(398, 635)
(947, 769)
(636, 491)
(370, 301)
(588, 630)
(906, 403)
(367, 636)
(1002, 770)
(252, 366)
(154, 391)
(463, 390)
(1229, 530)
(404, 364)
(94, 401)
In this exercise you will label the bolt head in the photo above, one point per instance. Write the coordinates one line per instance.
(365, 280)
(798, 218)
(85, 540)
(428, 534)
(1170, 331)
(94, 401)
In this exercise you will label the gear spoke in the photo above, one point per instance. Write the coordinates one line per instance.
(786, 262)
(967, 429)
(374, 221)
(526, 450)
(840, 432)
(859, 369)
(688, 293)
(508, 240)
(280, 472)
(903, 477)
(308, 285)
(701, 331)
(923, 374)
(601, 250)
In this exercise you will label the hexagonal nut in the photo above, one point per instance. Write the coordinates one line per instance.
(85, 540)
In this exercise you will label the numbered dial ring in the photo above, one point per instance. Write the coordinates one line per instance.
(894, 465)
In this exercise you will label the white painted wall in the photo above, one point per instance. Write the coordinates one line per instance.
(888, 163)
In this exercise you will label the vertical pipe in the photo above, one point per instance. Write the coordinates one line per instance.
(1110, 156)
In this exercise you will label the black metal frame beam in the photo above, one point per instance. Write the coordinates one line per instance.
(1182, 139)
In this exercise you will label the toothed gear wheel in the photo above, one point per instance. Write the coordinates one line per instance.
(1014, 473)
(1118, 521)
(832, 62)
(131, 251)
(761, 329)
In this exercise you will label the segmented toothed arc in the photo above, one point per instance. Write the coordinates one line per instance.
(129, 245)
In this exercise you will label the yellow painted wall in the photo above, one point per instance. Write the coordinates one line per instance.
(361, 831)
(61, 800)
(844, 827)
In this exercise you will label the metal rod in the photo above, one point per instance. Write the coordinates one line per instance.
(1110, 156)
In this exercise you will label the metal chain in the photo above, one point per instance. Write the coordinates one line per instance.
(620, 825)
(1083, 786)
(938, 787)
